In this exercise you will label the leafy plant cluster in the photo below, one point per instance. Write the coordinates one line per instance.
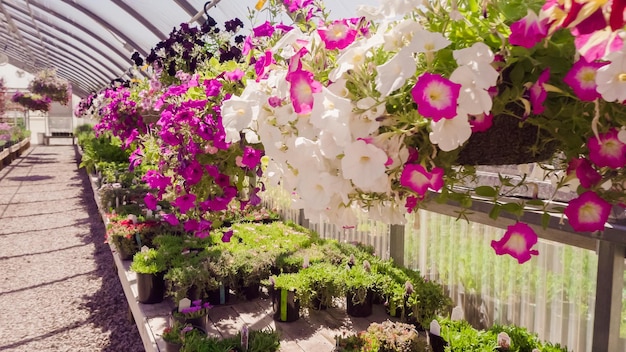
(387, 336)
(266, 340)
(461, 336)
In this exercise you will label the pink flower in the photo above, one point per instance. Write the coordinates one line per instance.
(586, 174)
(193, 172)
(416, 178)
(235, 75)
(436, 96)
(538, 93)
(608, 150)
(212, 87)
(251, 157)
(151, 201)
(588, 212)
(156, 180)
(185, 202)
(261, 63)
(517, 242)
(481, 123)
(227, 235)
(436, 178)
(528, 31)
(264, 30)
(302, 88)
(338, 35)
(171, 219)
(582, 78)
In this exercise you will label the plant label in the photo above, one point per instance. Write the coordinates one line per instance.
(244, 337)
(184, 304)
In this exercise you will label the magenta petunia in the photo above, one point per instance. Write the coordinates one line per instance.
(586, 174)
(191, 225)
(588, 212)
(171, 219)
(263, 62)
(582, 79)
(302, 87)
(538, 93)
(608, 150)
(251, 157)
(264, 30)
(517, 242)
(156, 180)
(212, 87)
(185, 202)
(151, 201)
(337, 35)
(193, 172)
(227, 235)
(235, 75)
(528, 31)
(481, 123)
(416, 178)
(436, 96)
(436, 178)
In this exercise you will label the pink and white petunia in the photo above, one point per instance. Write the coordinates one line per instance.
(302, 87)
(338, 35)
(517, 242)
(538, 93)
(436, 96)
(588, 212)
(416, 178)
(607, 150)
(528, 31)
(582, 78)
(586, 174)
(481, 122)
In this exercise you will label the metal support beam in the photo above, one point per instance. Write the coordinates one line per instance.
(206, 7)
(140, 18)
(106, 25)
(609, 286)
(191, 11)
(396, 244)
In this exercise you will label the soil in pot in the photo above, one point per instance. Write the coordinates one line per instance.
(359, 309)
(286, 306)
(150, 288)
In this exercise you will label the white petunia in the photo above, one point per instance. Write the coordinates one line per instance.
(450, 134)
(479, 52)
(315, 189)
(473, 99)
(331, 113)
(389, 212)
(351, 59)
(363, 163)
(424, 41)
(394, 73)
(237, 114)
(611, 78)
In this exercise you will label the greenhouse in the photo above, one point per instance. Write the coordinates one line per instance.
(309, 175)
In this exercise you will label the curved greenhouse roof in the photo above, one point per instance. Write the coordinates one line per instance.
(90, 42)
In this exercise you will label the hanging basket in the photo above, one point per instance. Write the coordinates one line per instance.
(507, 143)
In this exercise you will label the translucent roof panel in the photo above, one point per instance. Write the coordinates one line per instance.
(90, 42)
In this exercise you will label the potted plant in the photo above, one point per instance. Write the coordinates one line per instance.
(323, 284)
(196, 314)
(288, 293)
(150, 267)
(121, 233)
(251, 267)
(189, 279)
(47, 83)
(359, 284)
(424, 302)
(177, 333)
(220, 266)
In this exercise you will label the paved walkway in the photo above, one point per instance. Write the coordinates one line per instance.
(59, 289)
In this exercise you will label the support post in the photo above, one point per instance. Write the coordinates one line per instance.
(608, 305)
(396, 244)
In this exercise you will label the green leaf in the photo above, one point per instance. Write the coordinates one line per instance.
(486, 191)
(495, 212)
(537, 202)
(513, 208)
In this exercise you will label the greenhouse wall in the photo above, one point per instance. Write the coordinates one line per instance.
(552, 295)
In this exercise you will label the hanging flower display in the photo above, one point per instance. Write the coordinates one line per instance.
(33, 102)
(47, 83)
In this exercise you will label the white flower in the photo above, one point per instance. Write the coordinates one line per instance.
(473, 99)
(237, 114)
(427, 42)
(450, 134)
(611, 78)
(332, 114)
(351, 59)
(399, 35)
(394, 73)
(479, 52)
(315, 189)
(363, 163)
(389, 212)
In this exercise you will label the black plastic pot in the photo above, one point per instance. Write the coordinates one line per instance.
(200, 322)
(150, 288)
(285, 305)
(437, 343)
(219, 296)
(316, 303)
(251, 291)
(359, 309)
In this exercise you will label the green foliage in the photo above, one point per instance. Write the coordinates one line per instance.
(150, 261)
(103, 148)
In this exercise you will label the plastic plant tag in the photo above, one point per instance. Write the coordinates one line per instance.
(144, 249)
(457, 313)
(184, 304)
(133, 218)
(435, 328)
(149, 213)
(244, 337)
(305, 263)
(283, 304)
(222, 294)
